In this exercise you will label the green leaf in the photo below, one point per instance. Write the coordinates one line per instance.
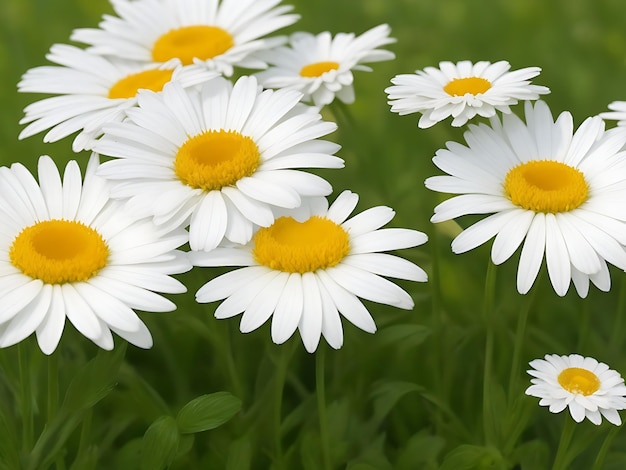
(207, 412)
(94, 380)
(421, 451)
(87, 460)
(160, 444)
(533, 454)
(387, 393)
(468, 457)
(239, 454)
(407, 335)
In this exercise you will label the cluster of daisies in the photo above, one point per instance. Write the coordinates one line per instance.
(192, 167)
(202, 169)
(556, 191)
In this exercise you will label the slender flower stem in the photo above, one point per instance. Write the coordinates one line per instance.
(320, 389)
(53, 386)
(488, 307)
(520, 332)
(280, 377)
(26, 403)
(560, 461)
(598, 464)
(85, 431)
(617, 334)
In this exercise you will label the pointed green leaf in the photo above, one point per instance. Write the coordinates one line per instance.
(160, 444)
(207, 412)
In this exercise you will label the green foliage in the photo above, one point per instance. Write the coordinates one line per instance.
(207, 412)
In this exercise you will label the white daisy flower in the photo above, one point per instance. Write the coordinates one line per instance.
(558, 191)
(587, 387)
(462, 90)
(68, 250)
(305, 273)
(617, 113)
(212, 33)
(92, 90)
(221, 156)
(321, 66)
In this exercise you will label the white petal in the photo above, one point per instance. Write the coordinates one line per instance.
(532, 254)
(288, 310)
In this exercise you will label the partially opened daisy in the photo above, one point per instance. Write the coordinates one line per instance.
(462, 90)
(561, 193)
(587, 387)
(68, 251)
(218, 34)
(218, 158)
(306, 272)
(321, 66)
(92, 90)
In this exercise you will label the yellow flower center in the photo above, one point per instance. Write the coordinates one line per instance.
(128, 86)
(546, 186)
(300, 247)
(192, 42)
(59, 251)
(471, 85)
(318, 69)
(215, 159)
(577, 380)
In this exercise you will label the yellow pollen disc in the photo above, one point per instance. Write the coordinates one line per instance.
(59, 251)
(546, 186)
(215, 159)
(471, 85)
(318, 69)
(128, 86)
(189, 42)
(300, 247)
(577, 380)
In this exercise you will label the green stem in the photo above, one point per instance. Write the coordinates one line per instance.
(53, 386)
(280, 377)
(228, 354)
(320, 390)
(583, 329)
(85, 431)
(488, 308)
(520, 332)
(598, 464)
(561, 461)
(26, 402)
(617, 334)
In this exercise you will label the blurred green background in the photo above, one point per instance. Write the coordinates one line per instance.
(581, 47)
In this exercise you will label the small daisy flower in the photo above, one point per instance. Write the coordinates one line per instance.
(306, 272)
(587, 387)
(462, 90)
(559, 192)
(68, 251)
(212, 33)
(617, 113)
(321, 66)
(217, 158)
(92, 90)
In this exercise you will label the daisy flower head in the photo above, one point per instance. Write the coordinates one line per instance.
(462, 90)
(557, 190)
(218, 158)
(320, 66)
(307, 272)
(91, 91)
(587, 387)
(69, 251)
(218, 34)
